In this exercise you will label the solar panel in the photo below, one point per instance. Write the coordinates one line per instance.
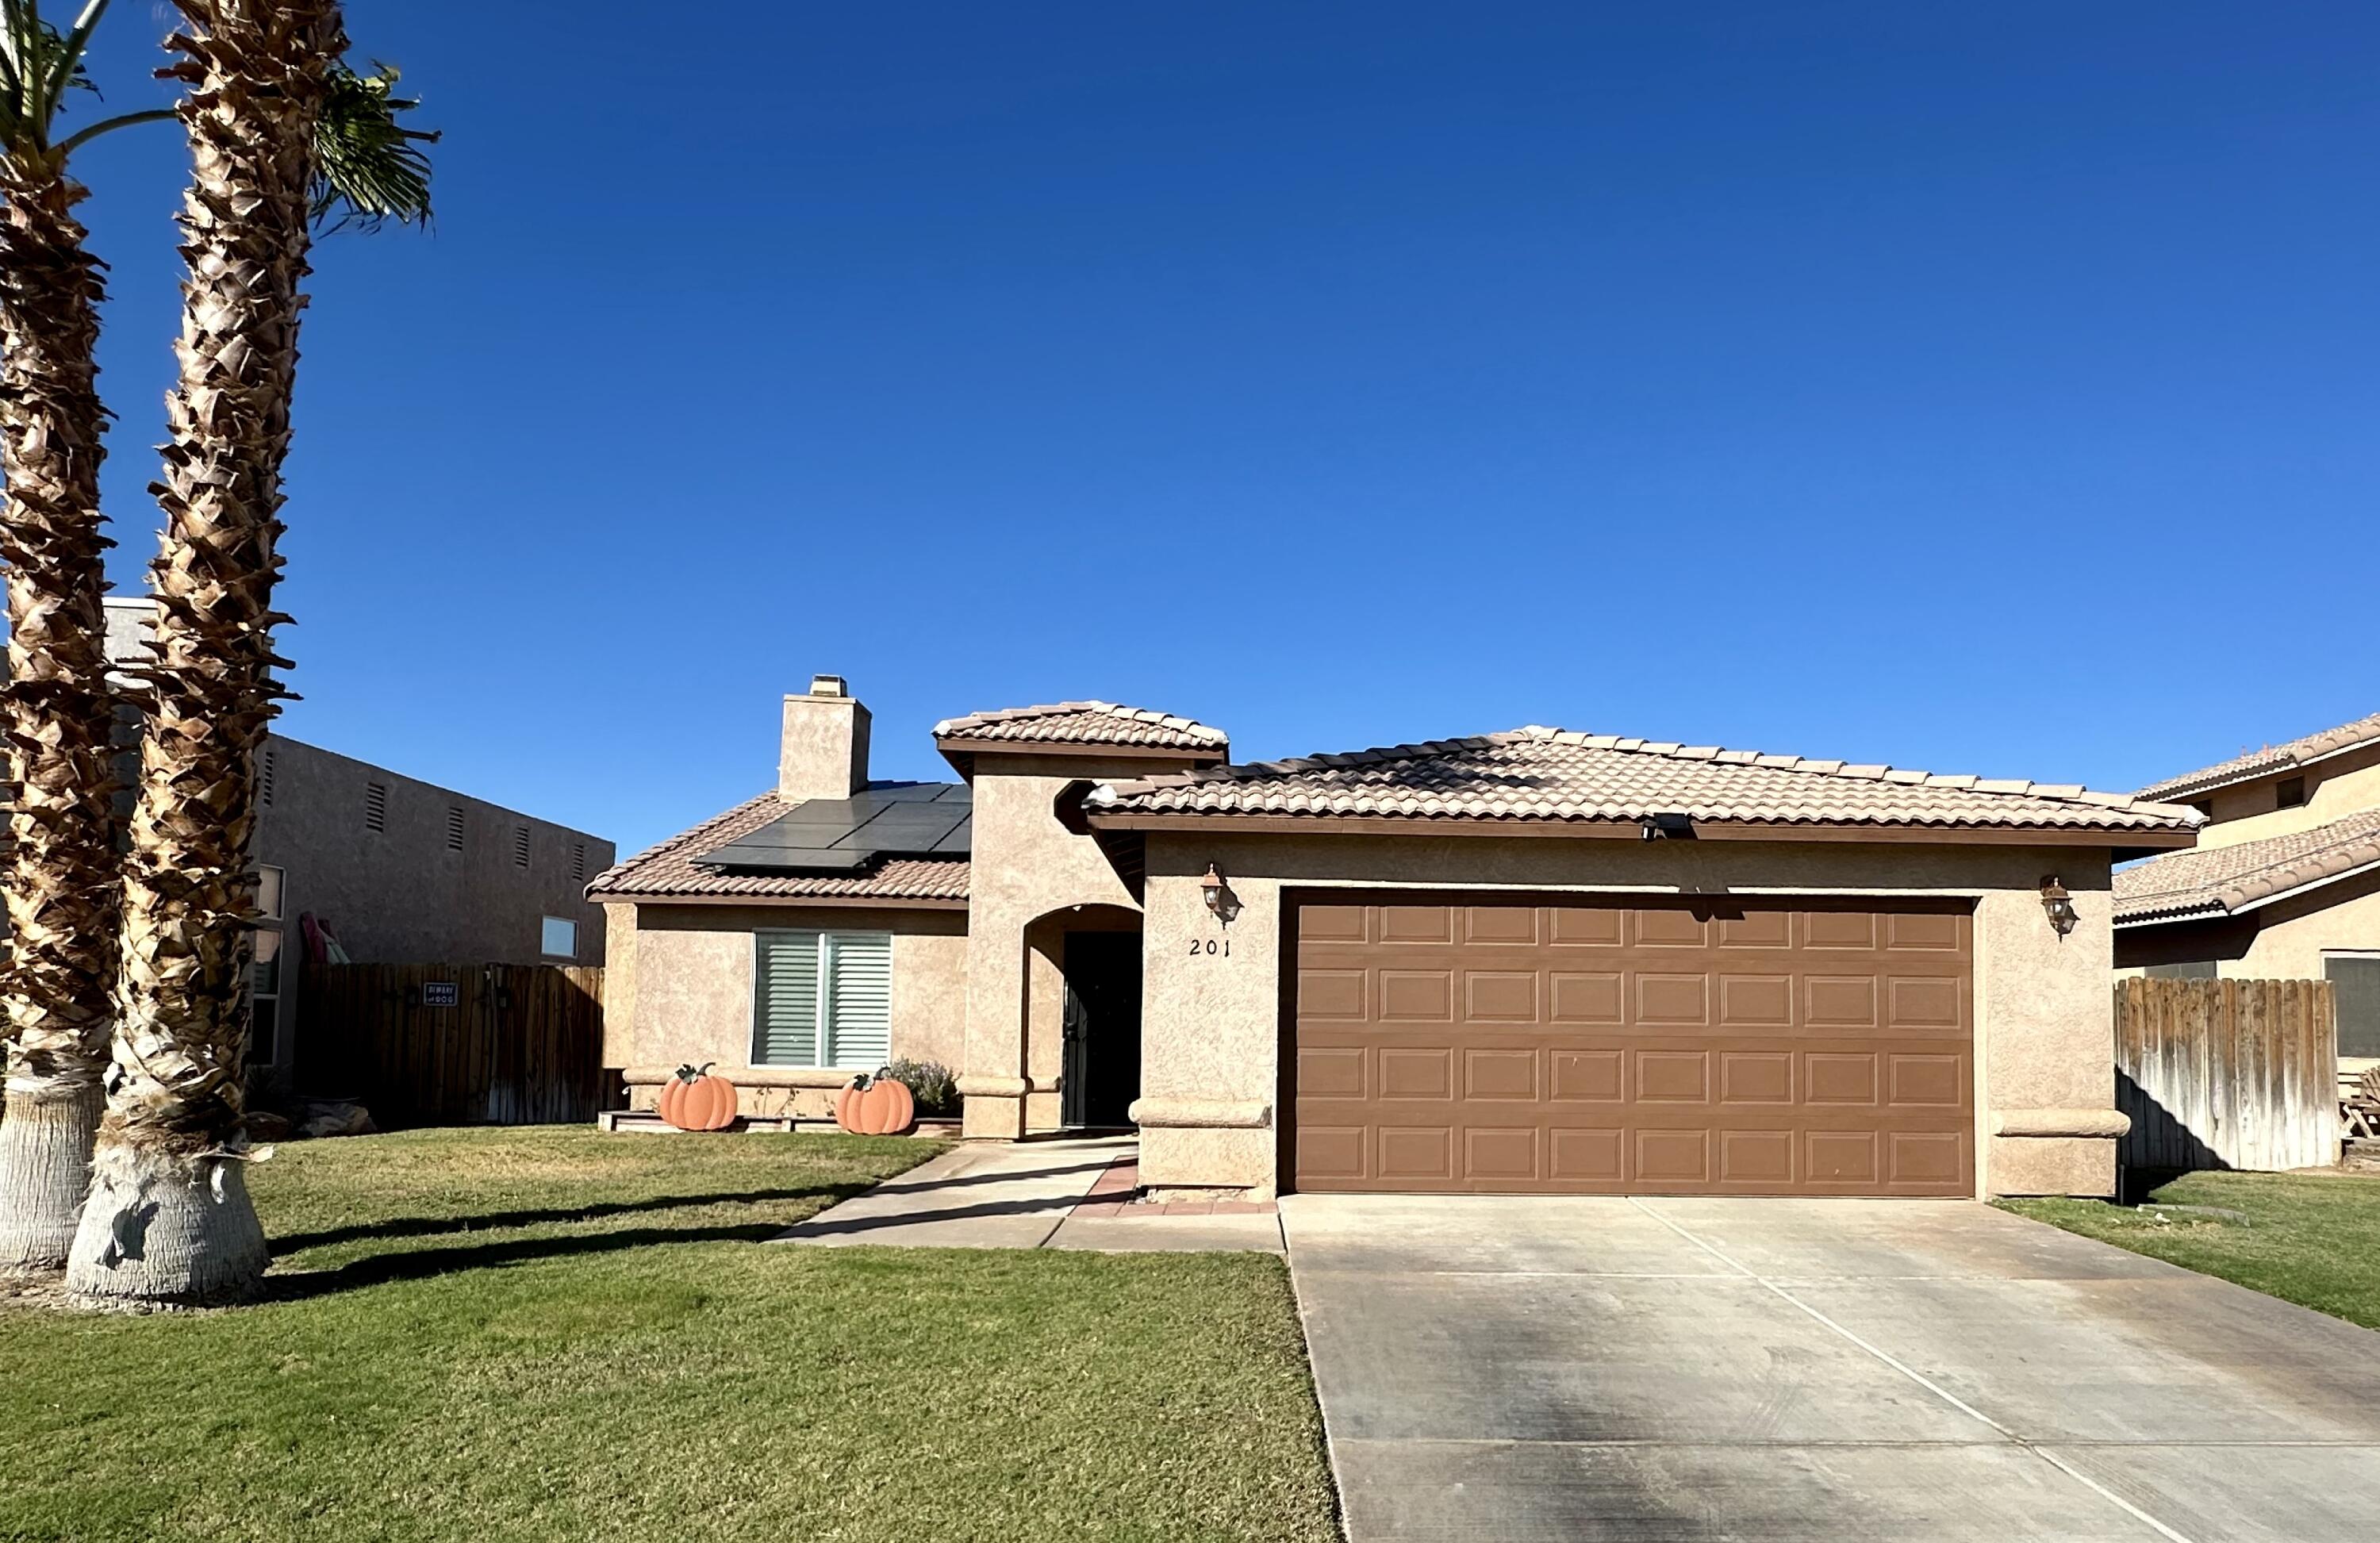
(843, 835)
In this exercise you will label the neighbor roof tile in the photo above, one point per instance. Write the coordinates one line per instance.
(2271, 759)
(2215, 880)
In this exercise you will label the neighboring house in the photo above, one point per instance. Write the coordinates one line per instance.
(401, 871)
(1530, 961)
(2285, 884)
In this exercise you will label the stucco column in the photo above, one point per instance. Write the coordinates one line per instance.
(2045, 1019)
(1211, 1035)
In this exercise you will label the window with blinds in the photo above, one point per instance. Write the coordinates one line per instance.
(823, 999)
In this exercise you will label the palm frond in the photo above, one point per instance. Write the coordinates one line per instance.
(38, 65)
(368, 169)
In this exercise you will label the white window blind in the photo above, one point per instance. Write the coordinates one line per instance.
(823, 999)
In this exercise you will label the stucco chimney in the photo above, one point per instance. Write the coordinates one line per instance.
(823, 753)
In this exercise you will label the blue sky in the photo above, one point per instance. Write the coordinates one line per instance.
(1976, 389)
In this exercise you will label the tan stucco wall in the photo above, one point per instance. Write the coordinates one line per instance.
(692, 989)
(2333, 789)
(1210, 1037)
(1024, 865)
(619, 982)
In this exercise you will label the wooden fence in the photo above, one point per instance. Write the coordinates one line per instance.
(2228, 1073)
(456, 1044)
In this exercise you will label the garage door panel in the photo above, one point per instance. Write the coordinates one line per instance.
(1752, 1051)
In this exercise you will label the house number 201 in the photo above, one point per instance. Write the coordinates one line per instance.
(1211, 945)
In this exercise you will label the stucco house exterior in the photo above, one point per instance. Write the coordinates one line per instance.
(1530, 961)
(2283, 883)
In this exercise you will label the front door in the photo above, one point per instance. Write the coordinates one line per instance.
(1101, 1074)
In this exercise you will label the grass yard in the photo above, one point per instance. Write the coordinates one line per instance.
(557, 1335)
(2312, 1239)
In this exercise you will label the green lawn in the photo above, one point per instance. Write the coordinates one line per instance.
(556, 1334)
(2313, 1239)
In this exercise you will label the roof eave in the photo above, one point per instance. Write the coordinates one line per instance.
(1633, 829)
(837, 902)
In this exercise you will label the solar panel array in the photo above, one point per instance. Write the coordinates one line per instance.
(847, 835)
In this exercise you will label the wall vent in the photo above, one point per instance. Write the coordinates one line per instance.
(376, 806)
(264, 776)
(579, 862)
(520, 846)
(454, 827)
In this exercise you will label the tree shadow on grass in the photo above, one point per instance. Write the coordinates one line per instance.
(430, 1226)
(481, 1221)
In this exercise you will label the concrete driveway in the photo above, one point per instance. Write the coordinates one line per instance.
(1523, 1368)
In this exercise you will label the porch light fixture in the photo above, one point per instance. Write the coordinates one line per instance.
(1219, 899)
(2058, 905)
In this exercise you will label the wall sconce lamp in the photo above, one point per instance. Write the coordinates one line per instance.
(2058, 905)
(1218, 896)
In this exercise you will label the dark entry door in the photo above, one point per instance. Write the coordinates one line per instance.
(1101, 1073)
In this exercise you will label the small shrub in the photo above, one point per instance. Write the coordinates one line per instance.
(931, 1083)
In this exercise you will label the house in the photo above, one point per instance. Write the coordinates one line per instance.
(1527, 961)
(402, 871)
(2285, 881)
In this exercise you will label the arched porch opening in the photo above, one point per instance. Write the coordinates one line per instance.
(1082, 974)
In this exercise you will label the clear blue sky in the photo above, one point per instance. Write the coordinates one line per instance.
(1980, 389)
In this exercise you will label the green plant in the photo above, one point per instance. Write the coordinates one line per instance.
(931, 1084)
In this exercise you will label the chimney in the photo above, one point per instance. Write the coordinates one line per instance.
(823, 753)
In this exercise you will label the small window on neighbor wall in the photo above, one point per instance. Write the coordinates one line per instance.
(454, 827)
(376, 806)
(269, 882)
(520, 846)
(2289, 793)
(2200, 969)
(559, 938)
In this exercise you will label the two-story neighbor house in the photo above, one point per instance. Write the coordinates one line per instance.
(2285, 881)
(402, 870)
(1532, 961)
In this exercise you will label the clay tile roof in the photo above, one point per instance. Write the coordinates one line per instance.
(1083, 723)
(2271, 759)
(2217, 880)
(668, 869)
(1541, 773)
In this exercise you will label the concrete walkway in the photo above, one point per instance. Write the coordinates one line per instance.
(1541, 1368)
(1033, 1194)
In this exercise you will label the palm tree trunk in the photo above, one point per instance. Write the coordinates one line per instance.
(169, 1219)
(56, 713)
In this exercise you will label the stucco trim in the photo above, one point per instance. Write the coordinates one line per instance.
(977, 1086)
(2102, 1123)
(1200, 1114)
(1630, 830)
(755, 1077)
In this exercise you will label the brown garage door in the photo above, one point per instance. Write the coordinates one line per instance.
(1744, 1048)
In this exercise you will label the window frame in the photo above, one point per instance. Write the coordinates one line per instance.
(264, 1007)
(546, 920)
(825, 1042)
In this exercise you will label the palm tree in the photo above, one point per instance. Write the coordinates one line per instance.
(54, 709)
(282, 133)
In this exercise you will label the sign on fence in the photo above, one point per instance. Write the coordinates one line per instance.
(2228, 1073)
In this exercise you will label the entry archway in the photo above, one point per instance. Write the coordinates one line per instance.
(1083, 1014)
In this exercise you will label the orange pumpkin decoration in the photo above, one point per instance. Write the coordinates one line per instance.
(695, 1101)
(875, 1106)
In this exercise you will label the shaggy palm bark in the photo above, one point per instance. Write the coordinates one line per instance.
(169, 1219)
(55, 713)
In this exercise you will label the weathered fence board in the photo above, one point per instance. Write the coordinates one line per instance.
(2228, 1073)
(457, 1044)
